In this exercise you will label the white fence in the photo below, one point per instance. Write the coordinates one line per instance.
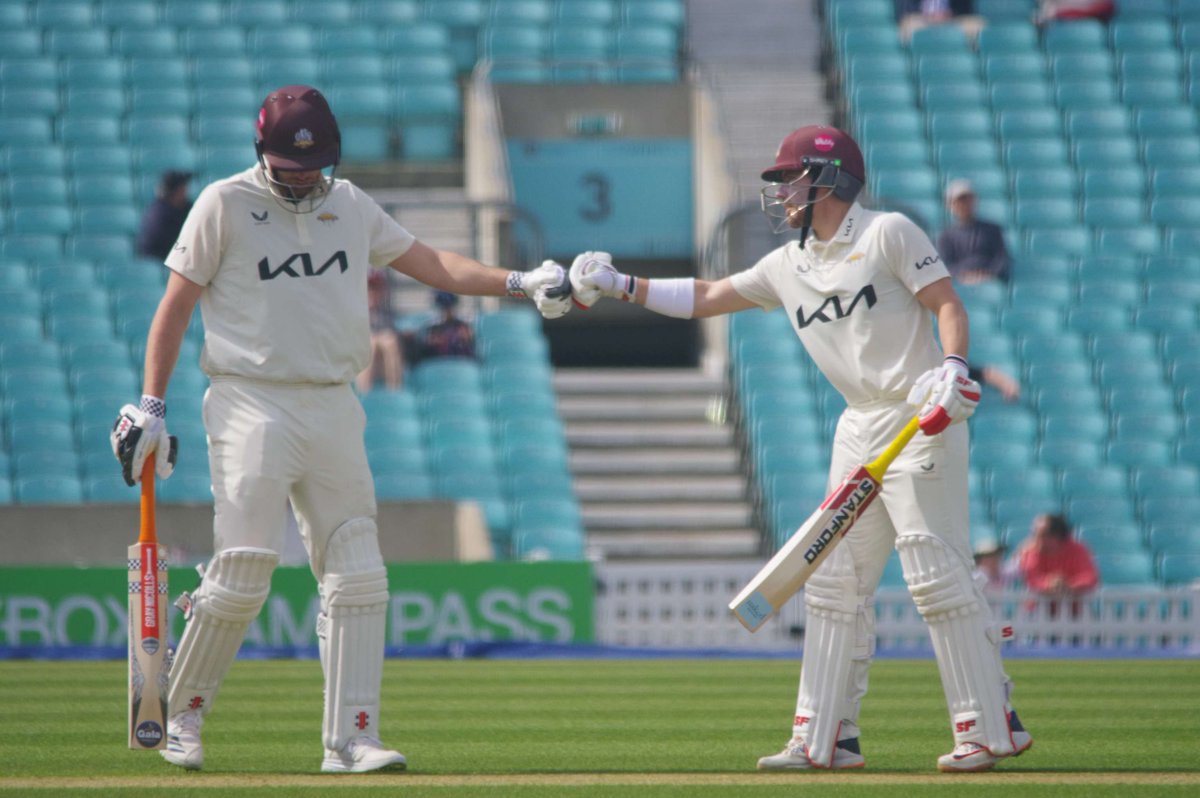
(685, 605)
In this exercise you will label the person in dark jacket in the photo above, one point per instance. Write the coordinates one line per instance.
(972, 249)
(164, 217)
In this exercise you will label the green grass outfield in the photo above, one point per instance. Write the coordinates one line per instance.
(619, 728)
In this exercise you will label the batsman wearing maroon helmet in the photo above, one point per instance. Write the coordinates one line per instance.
(862, 290)
(278, 258)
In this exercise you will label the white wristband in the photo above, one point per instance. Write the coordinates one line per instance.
(957, 363)
(675, 297)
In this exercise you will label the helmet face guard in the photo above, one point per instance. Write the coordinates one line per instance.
(782, 200)
(297, 197)
(813, 163)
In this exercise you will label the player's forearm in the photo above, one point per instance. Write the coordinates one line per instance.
(468, 276)
(166, 334)
(953, 329)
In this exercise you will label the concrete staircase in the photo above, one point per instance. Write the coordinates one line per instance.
(657, 469)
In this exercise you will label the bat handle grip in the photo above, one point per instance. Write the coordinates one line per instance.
(149, 531)
(881, 463)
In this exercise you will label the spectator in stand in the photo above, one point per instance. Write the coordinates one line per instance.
(387, 356)
(973, 249)
(1066, 10)
(164, 216)
(1054, 565)
(912, 15)
(449, 336)
(989, 562)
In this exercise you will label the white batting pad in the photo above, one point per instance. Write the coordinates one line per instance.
(354, 598)
(231, 592)
(833, 610)
(964, 640)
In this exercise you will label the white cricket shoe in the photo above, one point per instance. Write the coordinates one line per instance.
(794, 756)
(363, 754)
(183, 740)
(973, 757)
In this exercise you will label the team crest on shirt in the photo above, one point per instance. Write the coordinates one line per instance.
(855, 256)
(327, 218)
(303, 138)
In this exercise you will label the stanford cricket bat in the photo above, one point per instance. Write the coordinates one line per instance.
(807, 548)
(148, 677)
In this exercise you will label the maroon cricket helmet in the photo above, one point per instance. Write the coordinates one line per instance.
(820, 145)
(297, 130)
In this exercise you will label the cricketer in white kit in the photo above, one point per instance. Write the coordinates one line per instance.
(278, 258)
(862, 289)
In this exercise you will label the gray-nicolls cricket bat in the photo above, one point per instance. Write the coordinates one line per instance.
(148, 633)
(792, 565)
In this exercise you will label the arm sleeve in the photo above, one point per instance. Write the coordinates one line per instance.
(909, 253)
(201, 245)
(388, 239)
(755, 285)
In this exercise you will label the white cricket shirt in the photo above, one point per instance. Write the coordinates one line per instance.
(285, 296)
(852, 300)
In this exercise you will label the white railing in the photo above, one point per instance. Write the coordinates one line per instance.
(685, 605)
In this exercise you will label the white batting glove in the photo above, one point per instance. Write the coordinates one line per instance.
(548, 287)
(593, 276)
(945, 395)
(137, 432)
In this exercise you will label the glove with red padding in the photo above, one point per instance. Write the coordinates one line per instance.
(945, 395)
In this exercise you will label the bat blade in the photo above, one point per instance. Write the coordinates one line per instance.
(807, 548)
(148, 634)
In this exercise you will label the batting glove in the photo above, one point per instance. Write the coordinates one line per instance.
(945, 396)
(137, 432)
(593, 276)
(548, 287)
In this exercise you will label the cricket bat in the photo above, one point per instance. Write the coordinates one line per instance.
(792, 565)
(148, 634)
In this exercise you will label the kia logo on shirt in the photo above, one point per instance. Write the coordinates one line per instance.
(305, 262)
(834, 305)
(929, 259)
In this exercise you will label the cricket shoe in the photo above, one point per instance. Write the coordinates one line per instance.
(973, 757)
(363, 754)
(794, 756)
(183, 740)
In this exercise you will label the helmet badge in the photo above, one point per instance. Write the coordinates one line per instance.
(303, 139)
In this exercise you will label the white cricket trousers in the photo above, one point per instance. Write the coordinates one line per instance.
(270, 442)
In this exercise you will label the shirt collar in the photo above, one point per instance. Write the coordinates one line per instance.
(848, 229)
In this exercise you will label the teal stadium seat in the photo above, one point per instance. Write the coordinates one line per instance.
(21, 42)
(1006, 35)
(547, 542)
(223, 72)
(1071, 94)
(1166, 121)
(22, 100)
(157, 41)
(1179, 569)
(213, 42)
(60, 489)
(1074, 36)
(1125, 569)
(63, 15)
(34, 72)
(520, 12)
(322, 13)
